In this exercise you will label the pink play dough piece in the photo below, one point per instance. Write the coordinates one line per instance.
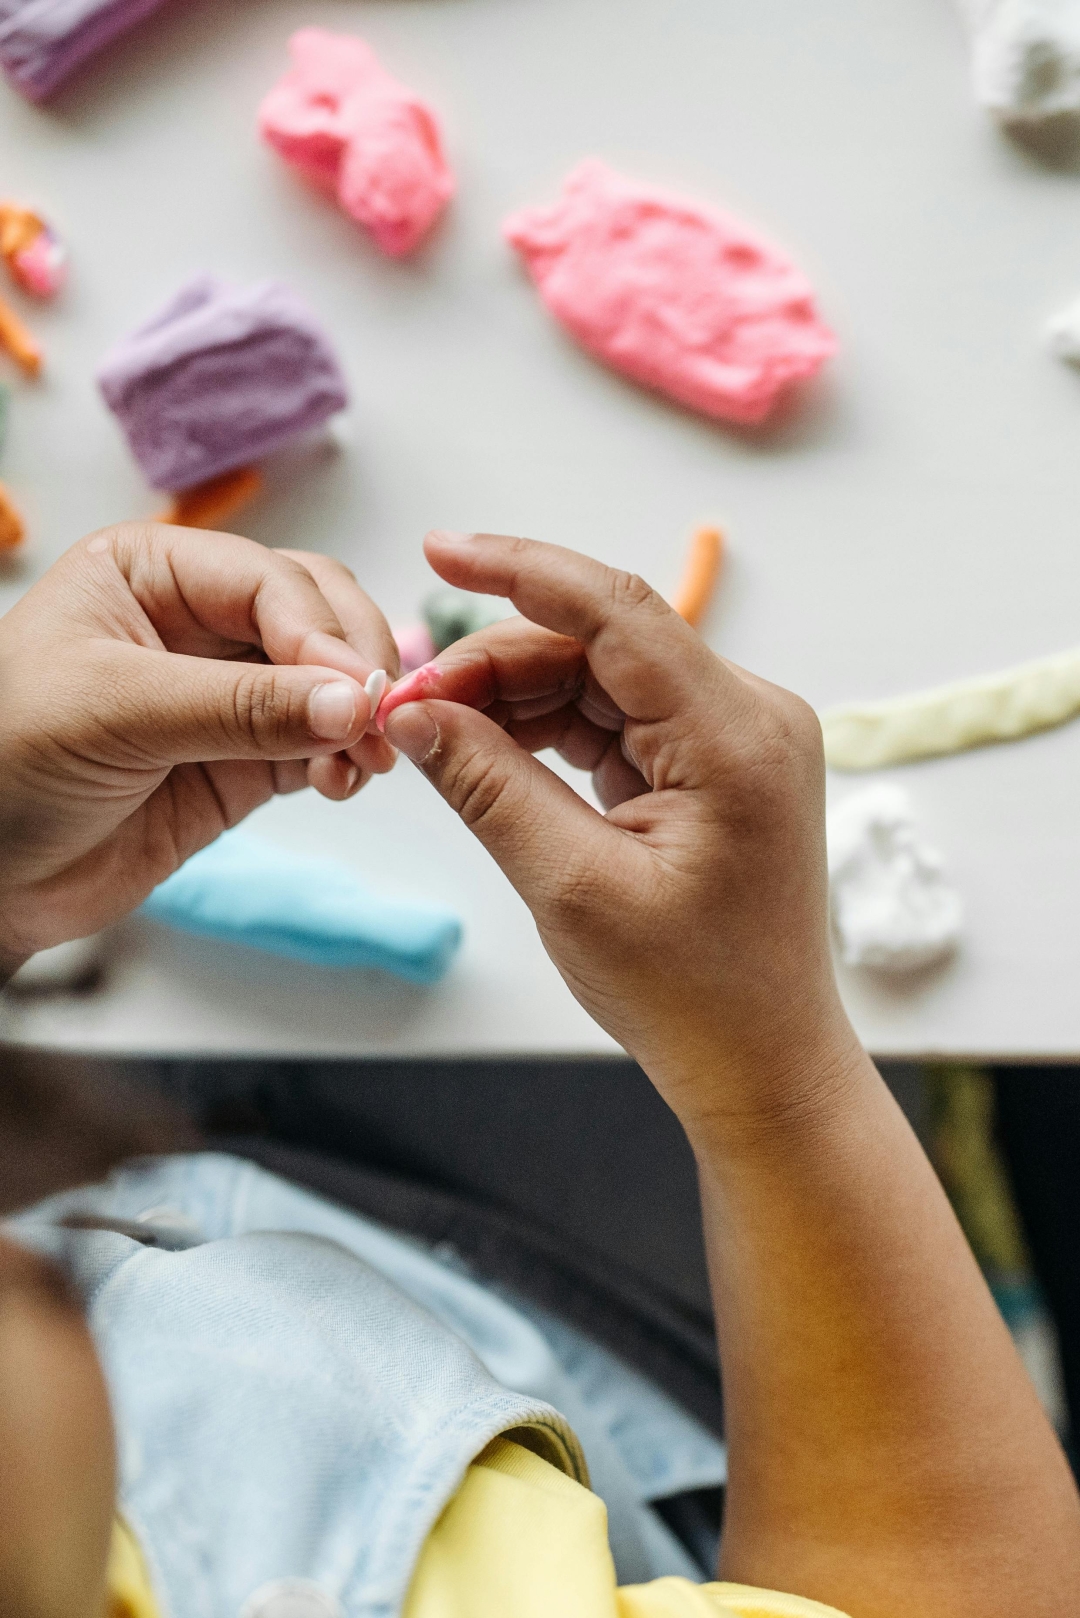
(340, 118)
(413, 688)
(40, 267)
(681, 298)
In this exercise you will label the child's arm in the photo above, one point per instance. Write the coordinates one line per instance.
(887, 1453)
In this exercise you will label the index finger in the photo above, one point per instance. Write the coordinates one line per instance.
(366, 630)
(210, 595)
(648, 660)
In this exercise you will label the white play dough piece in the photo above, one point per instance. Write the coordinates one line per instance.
(892, 905)
(951, 718)
(60, 970)
(1025, 57)
(1063, 333)
(375, 686)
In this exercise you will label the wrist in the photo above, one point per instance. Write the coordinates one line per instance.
(792, 1077)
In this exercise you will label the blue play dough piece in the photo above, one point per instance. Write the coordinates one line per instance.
(304, 908)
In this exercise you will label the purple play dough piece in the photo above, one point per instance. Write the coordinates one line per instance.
(42, 42)
(220, 377)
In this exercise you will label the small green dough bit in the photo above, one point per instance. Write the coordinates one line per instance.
(452, 614)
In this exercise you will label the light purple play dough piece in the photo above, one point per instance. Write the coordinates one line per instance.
(42, 42)
(220, 377)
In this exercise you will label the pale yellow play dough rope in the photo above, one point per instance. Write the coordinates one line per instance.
(951, 718)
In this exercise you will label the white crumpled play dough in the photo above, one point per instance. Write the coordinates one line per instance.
(1063, 333)
(1025, 62)
(893, 908)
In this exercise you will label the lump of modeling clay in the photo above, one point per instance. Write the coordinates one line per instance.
(1025, 57)
(42, 42)
(304, 908)
(892, 905)
(449, 615)
(682, 299)
(951, 718)
(345, 123)
(220, 377)
(452, 614)
(64, 969)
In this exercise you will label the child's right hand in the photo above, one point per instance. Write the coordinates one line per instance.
(691, 920)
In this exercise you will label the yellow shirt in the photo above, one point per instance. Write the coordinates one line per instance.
(518, 1540)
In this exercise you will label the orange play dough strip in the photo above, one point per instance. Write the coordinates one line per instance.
(702, 571)
(18, 341)
(12, 529)
(208, 504)
(18, 228)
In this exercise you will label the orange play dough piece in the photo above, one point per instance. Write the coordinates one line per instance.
(18, 228)
(18, 341)
(209, 504)
(12, 528)
(702, 571)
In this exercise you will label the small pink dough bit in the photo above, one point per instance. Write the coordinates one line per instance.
(681, 298)
(343, 121)
(414, 687)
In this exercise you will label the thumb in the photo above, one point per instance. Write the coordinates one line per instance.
(163, 708)
(533, 824)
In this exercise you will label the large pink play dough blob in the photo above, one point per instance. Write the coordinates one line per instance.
(340, 118)
(681, 298)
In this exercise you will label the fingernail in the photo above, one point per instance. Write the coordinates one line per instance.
(412, 731)
(351, 780)
(332, 710)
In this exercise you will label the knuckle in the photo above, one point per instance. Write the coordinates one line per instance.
(803, 723)
(790, 741)
(263, 708)
(629, 592)
(796, 737)
(476, 789)
(287, 567)
(128, 540)
(517, 546)
(333, 568)
(581, 891)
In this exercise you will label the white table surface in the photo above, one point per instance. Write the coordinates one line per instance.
(917, 520)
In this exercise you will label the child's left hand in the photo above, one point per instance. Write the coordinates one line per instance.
(156, 686)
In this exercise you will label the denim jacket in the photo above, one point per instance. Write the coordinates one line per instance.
(298, 1392)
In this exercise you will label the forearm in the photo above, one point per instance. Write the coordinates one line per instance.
(887, 1453)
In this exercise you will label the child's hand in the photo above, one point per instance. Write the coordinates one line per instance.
(155, 687)
(692, 919)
